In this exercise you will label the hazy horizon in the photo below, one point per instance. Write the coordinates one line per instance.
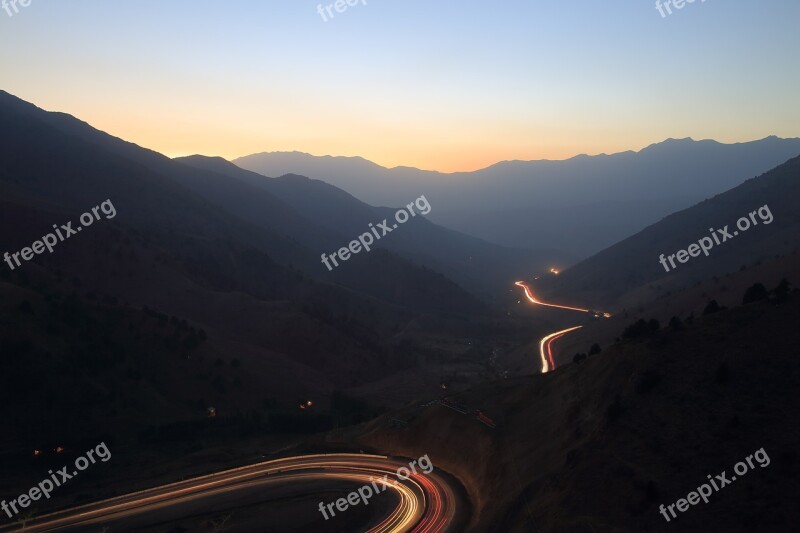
(456, 90)
(566, 158)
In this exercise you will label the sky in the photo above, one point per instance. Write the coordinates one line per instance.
(436, 84)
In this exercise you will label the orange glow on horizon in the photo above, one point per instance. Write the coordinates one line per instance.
(233, 129)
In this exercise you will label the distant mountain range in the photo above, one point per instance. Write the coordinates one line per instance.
(324, 218)
(580, 205)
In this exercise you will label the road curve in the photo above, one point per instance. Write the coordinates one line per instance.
(533, 299)
(545, 345)
(426, 501)
(546, 350)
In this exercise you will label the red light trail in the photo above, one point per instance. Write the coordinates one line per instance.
(545, 345)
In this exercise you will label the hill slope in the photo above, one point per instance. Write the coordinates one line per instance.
(119, 307)
(599, 446)
(617, 273)
(480, 267)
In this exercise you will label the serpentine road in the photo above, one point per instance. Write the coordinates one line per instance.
(427, 503)
(546, 344)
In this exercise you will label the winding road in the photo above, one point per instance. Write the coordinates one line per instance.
(546, 344)
(427, 503)
(533, 299)
(546, 349)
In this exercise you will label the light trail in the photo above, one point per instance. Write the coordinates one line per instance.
(546, 350)
(530, 296)
(545, 345)
(426, 501)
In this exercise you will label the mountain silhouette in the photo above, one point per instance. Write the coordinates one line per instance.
(580, 205)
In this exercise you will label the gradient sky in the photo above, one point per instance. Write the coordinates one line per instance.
(437, 84)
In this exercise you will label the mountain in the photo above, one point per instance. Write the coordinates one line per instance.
(200, 290)
(580, 205)
(480, 267)
(631, 270)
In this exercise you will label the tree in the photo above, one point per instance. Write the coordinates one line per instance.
(641, 328)
(637, 329)
(755, 293)
(712, 307)
(675, 323)
(782, 290)
(595, 349)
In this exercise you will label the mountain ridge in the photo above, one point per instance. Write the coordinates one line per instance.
(597, 200)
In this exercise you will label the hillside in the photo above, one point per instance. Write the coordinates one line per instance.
(479, 267)
(613, 277)
(600, 445)
(117, 310)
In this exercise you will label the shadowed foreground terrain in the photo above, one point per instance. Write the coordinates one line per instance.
(598, 446)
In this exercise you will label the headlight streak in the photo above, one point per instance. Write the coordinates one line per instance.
(426, 502)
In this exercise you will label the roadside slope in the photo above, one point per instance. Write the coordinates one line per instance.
(599, 446)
